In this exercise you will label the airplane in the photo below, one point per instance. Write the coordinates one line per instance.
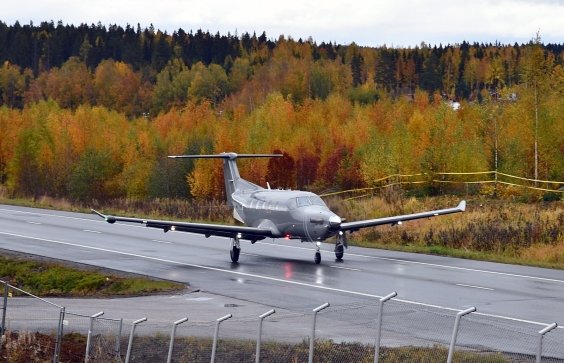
(275, 213)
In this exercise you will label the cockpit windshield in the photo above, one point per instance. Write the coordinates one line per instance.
(311, 200)
(303, 201)
(317, 201)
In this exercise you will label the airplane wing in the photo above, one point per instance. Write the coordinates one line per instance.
(248, 233)
(355, 226)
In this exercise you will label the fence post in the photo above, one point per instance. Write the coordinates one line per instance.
(379, 323)
(174, 325)
(312, 338)
(87, 357)
(59, 338)
(131, 337)
(261, 318)
(216, 333)
(4, 309)
(118, 340)
(541, 335)
(455, 331)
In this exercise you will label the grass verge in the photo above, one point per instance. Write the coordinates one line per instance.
(55, 279)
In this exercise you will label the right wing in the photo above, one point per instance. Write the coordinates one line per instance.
(355, 226)
(248, 233)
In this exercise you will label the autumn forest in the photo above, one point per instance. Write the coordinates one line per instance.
(91, 111)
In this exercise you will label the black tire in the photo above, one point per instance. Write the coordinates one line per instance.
(339, 252)
(235, 254)
(317, 258)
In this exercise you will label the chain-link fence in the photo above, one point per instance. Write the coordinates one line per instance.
(30, 327)
(38, 330)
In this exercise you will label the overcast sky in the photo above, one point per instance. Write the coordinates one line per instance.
(368, 23)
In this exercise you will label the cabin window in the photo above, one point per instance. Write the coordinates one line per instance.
(292, 203)
(303, 201)
(317, 201)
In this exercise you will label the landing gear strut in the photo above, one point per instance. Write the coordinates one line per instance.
(235, 249)
(317, 257)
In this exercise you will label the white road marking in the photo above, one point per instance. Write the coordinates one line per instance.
(427, 264)
(476, 287)
(91, 231)
(249, 254)
(156, 240)
(345, 268)
(258, 276)
(33, 222)
(349, 254)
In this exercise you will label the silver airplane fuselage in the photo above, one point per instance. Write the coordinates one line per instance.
(287, 213)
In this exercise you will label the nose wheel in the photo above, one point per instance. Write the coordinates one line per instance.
(235, 249)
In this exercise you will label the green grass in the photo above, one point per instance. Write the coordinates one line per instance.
(49, 279)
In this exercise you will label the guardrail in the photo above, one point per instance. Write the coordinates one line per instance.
(428, 178)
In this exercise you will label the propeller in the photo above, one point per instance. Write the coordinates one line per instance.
(334, 222)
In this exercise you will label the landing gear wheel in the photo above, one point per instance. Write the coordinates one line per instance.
(235, 250)
(339, 251)
(317, 258)
(235, 254)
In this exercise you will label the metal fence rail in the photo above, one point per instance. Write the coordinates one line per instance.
(385, 330)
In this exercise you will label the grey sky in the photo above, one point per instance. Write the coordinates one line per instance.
(371, 23)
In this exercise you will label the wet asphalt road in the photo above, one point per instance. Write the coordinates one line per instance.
(281, 274)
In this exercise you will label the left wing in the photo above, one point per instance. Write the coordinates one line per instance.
(355, 226)
(248, 233)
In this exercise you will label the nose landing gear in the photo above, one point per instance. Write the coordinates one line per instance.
(317, 257)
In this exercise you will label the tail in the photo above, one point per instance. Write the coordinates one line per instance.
(233, 181)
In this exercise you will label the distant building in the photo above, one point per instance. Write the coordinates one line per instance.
(455, 105)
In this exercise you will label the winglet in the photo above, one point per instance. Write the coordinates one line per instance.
(462, 206)
(108, 219)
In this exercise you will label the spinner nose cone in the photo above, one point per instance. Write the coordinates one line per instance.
(335, 222)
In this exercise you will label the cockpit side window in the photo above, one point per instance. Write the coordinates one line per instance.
(317, 201)
(303, 201)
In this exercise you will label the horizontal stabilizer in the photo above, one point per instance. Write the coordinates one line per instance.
(231, 156)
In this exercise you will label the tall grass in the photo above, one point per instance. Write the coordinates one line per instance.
(36, 347)
(512, 231)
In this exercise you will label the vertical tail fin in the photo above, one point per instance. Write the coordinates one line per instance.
(233, 181)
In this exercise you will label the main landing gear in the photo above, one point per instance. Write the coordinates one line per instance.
(235, 249)
(340, 245)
